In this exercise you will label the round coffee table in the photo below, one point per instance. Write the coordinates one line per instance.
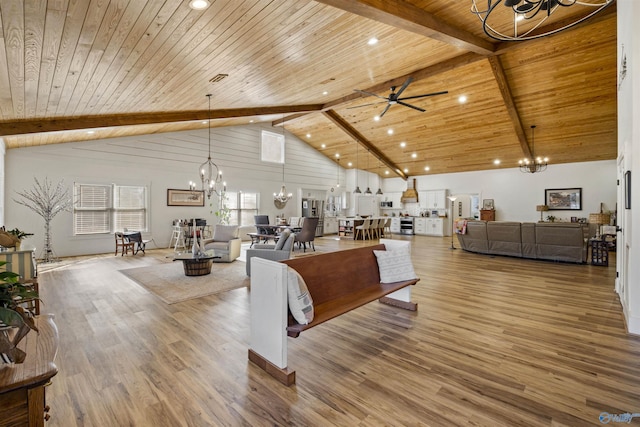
(199, 265)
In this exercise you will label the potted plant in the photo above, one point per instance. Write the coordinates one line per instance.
(15, 321)
(12, 238)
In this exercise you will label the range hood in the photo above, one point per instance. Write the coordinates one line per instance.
(410, 195)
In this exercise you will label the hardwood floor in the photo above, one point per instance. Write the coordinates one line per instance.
(496, 341)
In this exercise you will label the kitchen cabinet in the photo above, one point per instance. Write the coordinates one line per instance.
(395, 225)
(435, 226)
(394, 198)
(330, 225)
(436, 199)
(420, 226)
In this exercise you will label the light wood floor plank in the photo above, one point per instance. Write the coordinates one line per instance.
(496, 341)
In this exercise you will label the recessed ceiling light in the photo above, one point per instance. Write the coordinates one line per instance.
(403, 144)
(390, 131)
(406, 170)
(251, 121)
(204, 122)
(308, 135)
(325, 93)
(372, 41)
(496, 162)
(376, 118)
(427, 168)
(462, 99)
(414, 155)
(198, 4)
(91, 132)
(337, 155)
(324, 146)
(386, 172)
(349, 164)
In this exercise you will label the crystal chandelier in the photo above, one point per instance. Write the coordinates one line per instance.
(531, 19)
(210, 174)
(280, 199)
(537, 164)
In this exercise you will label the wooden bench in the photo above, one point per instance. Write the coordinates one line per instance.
(338, 282)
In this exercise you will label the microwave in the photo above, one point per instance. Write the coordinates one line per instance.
(386, 204)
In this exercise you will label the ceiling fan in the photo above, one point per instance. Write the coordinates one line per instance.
(394, 97)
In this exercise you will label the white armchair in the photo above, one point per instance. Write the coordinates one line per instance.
(278, 252)
(225, 242)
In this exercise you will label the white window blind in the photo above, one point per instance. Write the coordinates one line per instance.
(91, 209)
(242, 206)
(130, 208)
(100, 208)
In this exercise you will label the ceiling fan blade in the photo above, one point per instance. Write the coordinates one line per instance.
(369, 93)
(425, 95)
(411, 106)
(404, 86)
(366, 105)
(385, 110)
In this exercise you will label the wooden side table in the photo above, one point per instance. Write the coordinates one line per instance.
(487, 215)
(22, 394)
(599, 252)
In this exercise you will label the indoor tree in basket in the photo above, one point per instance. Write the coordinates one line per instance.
(47, 201)
(15, 321)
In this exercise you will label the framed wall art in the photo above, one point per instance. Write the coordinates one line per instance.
(185, 197)
(563, 199)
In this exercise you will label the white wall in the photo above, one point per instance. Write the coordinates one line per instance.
(516, 194)
(160, 161)
(628, 286)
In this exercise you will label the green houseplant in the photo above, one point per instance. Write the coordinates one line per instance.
(15, 321)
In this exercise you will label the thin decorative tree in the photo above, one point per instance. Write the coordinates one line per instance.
(47, 201)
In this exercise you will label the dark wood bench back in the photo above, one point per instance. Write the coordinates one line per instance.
(331, 275)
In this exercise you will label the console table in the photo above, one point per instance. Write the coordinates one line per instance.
(22, 394)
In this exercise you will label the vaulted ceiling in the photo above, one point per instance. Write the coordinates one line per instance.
(93, 69)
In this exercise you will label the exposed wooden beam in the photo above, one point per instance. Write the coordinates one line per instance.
(362, 140)
(405, 16)
(23, 127)
(505, 90)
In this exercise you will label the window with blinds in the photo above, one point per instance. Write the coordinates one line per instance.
(108, 208)
(242, 207)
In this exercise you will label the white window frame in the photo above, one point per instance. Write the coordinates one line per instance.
(112, 210)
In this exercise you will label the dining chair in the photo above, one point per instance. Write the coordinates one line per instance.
(123, 244)
(308, 233)
(363, 230)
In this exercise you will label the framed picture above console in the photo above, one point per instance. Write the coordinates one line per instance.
(563, 199)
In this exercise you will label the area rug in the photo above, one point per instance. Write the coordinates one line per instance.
(168, 282)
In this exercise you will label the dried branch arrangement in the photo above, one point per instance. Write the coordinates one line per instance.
(46, 200)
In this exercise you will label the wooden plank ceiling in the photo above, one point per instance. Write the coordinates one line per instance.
(83, 70)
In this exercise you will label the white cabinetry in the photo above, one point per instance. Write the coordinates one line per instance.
(435, 226)
(330, 225)
(420, 226)
(435, 199)
(395, 224)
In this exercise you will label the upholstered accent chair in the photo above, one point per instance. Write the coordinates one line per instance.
(225, 242)
(278, 252)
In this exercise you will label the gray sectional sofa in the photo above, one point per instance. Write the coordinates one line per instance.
(544, 240)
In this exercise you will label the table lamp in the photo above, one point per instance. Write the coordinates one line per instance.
(542, 208)
(599, 219)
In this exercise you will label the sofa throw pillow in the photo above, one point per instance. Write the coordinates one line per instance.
(282, 240)
(300, 302)
(395, 265)
(224, 233)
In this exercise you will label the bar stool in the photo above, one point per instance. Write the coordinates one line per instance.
(178, 235)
